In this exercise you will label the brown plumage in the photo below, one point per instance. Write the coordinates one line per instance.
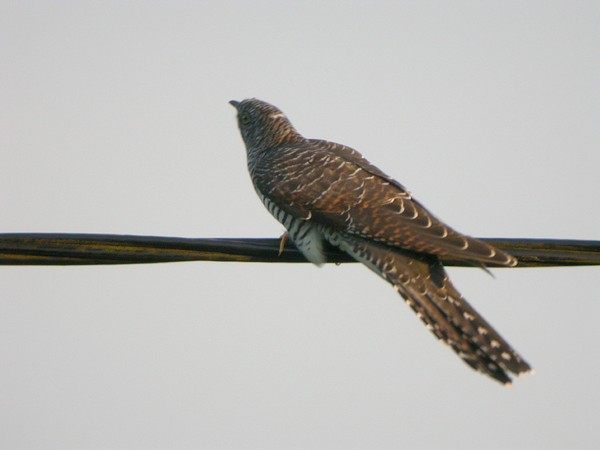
(322, 191)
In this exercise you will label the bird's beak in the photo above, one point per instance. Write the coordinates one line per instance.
(235, 104)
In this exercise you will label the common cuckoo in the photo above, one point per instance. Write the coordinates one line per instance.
(326, 192)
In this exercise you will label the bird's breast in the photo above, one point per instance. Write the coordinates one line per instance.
(303, 232)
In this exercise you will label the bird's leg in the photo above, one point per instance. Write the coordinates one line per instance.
(284, 238)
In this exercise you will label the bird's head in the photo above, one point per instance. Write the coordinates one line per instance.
(262, 125)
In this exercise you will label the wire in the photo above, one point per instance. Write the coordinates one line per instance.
(48, 249)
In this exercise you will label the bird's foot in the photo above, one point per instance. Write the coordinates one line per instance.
(282, 242)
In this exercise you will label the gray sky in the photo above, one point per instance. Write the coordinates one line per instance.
(114, 119)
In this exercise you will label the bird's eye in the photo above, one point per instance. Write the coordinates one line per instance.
(245, 119)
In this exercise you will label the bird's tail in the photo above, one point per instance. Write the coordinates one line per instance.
(426, 288)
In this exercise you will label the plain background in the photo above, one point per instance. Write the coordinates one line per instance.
(114, 119)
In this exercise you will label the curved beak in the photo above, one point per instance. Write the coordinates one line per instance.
(235, 104)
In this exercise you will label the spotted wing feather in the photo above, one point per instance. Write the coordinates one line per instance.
(337, 187)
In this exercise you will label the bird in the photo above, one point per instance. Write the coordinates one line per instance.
(325, 193)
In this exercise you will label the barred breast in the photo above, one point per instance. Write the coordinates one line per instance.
(303, 232)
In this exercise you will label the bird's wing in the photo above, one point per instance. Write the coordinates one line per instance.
(338, 188)
(426, 288)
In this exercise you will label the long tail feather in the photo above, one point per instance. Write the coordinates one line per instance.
(426, 288)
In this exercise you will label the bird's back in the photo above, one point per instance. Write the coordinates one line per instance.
(339, 188)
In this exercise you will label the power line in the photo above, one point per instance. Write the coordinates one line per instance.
(49, 249)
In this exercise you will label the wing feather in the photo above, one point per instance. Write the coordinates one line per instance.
(340, 189)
